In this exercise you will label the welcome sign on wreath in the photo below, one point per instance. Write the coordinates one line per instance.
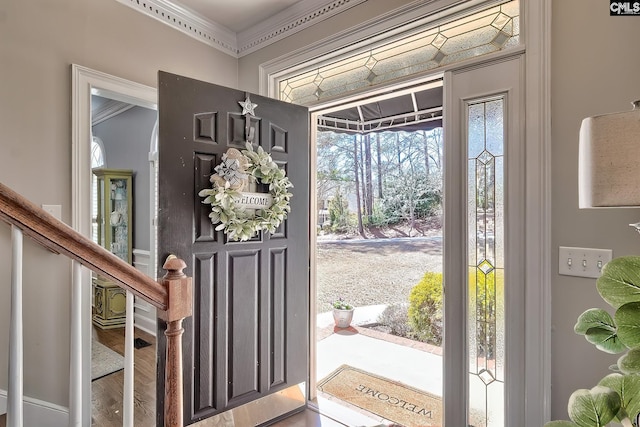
(239, 212)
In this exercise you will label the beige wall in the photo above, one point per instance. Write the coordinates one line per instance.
(595, 63)
(39, 40)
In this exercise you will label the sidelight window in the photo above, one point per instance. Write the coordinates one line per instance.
(486, 324)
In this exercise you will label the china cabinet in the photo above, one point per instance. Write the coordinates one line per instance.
(115, 220)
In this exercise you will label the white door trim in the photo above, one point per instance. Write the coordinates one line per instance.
(84, 83)
(536, 22)
(537, 37)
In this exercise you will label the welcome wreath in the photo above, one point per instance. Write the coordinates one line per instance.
(229, 203)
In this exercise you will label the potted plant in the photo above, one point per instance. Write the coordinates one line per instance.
(342, 313)
(617, 396)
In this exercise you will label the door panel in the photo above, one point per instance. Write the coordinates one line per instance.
(248, 336)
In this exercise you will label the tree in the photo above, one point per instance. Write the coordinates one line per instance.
(379, 166)
(408, 171)
(368, 204)
(357, 182)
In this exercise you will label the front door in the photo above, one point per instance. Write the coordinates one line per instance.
(248, 337)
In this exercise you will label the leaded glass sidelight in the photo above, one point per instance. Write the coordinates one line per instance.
(433, 46)
(485, 204)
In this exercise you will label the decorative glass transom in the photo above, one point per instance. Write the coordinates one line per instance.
(485, 204)
(483, 32)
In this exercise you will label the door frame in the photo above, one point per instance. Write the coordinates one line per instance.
(86, 82)
(536, 47)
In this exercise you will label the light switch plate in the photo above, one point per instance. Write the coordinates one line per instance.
(583, 262)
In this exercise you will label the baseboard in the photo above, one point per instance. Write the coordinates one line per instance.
(145, 324)
(39, 413)
(144, 316)
(141, 260)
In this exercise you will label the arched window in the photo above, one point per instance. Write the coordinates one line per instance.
(97, 153)
(97, 161)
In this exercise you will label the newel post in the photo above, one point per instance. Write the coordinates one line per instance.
(179, 291)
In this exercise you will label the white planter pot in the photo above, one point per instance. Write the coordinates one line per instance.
(342, 317)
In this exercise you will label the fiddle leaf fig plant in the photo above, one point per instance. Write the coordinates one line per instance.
(617, 396)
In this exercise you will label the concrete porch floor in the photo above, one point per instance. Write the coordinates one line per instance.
(413, 363)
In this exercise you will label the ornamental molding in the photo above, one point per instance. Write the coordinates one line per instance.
(189, 22)
(295, 18)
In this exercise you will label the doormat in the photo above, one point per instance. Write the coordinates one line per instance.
(389, 399)
(104, 361)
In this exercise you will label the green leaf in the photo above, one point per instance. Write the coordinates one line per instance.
(593, 318)
(628, 388)
(560, 424)
(595, 407)
(620, 281)
(605, 340)
(599, 329)
(627, 318)
(630, 362)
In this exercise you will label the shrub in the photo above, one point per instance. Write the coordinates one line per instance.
(395, 318)
(484, 296)
(379, 216)
(425, 308)
(429, 203)
(339, 213)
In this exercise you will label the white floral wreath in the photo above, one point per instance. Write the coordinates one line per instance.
(231, 177)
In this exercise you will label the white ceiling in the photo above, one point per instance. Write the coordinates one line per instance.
(237, 15)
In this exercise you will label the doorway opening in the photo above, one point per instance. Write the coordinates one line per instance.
(118, 98)
(378, 255)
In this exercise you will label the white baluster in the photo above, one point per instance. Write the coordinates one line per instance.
(75, 351)
(127, 396)
(15, 392)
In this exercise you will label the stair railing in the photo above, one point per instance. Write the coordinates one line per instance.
(172, 297)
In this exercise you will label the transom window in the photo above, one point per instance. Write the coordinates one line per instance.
(431, 47)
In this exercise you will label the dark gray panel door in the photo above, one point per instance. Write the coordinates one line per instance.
(248, 336)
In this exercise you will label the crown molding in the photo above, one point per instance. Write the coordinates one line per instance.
(109, 109)
(295, 18)
(189, 22)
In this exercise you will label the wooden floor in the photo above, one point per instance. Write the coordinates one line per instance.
(106, 392)
(307, 418)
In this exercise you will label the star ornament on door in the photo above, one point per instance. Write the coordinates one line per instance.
(248, 107)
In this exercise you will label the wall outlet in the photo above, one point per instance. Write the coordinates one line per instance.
(583, 262)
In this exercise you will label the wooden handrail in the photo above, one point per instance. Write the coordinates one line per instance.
(172, 297)
(60, 238)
